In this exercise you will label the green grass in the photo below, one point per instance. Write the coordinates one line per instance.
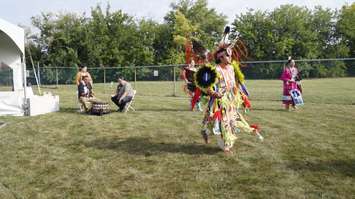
(157, 151)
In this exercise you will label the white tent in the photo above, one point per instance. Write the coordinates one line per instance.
(19, 101)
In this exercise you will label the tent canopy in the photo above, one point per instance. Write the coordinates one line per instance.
(12, 51)
(21, 100)
(15, 33)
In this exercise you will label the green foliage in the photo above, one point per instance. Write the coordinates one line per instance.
(183, 29)
(113, 38)
(193, 19)
(278, 34)
(295, 31)
(346, 26)
(175, 56)
(62, 34)
(346, 30)
(206, 22)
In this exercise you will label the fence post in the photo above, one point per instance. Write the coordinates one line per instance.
(174, 94)
(39, 74)
(104, 76)
(135, 78)
(56, 76)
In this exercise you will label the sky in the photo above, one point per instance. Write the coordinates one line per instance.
(20, 11)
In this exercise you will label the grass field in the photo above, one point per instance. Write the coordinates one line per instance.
(157, 151)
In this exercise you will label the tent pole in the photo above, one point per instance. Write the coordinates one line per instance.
(34, 71)
(25, 103)
(39, 74)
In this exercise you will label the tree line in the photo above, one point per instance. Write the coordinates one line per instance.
(109, 38)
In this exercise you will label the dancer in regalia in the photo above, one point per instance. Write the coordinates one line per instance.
(224, 84)
(221, 111)
(291, 85)
(195, 55)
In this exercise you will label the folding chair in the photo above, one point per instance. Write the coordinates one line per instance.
(129, 105)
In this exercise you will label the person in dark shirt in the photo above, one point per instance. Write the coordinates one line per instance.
(85, 94)
(124, 94)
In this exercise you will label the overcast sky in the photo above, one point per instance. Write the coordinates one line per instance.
(20, 11)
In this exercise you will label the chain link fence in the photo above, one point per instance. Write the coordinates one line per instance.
(312, 68)
(66, 75)
(55, 76)
(6, 79)
(309, 68)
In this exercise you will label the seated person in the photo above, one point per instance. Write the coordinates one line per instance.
(85, 93)
(82, 72)
(124, 94)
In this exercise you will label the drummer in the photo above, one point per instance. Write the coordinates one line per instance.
(124, 94)
(85, 94)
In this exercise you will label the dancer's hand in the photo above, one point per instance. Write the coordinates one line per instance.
(217, 95)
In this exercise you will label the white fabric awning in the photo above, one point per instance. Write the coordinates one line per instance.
(16, 34)
(12, 51)
(12, 54)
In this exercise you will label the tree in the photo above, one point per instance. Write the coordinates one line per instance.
(197, 20)
(346, 27)
(346, 30)
(183, 29)
(255, 29)
(113, 38)
(291, 31)
(208, 22)
(60, 34)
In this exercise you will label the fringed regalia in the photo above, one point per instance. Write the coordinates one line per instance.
(224, 85)
(195, 56)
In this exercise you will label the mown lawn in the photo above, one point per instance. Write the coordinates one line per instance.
(157, 151)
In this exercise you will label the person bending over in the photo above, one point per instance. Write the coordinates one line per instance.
(124, 94)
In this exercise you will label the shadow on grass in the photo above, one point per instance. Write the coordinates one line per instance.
(69, 110)
(343, 167)
(143, 146)
(77, 111)
(269, 109)
(162, 109)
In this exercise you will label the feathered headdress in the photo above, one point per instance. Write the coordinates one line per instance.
(239, 52)
(236, 47)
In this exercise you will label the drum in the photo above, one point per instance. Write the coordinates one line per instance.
(100, 108)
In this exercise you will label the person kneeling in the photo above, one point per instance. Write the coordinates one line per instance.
(124, 94)
(85, 94)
